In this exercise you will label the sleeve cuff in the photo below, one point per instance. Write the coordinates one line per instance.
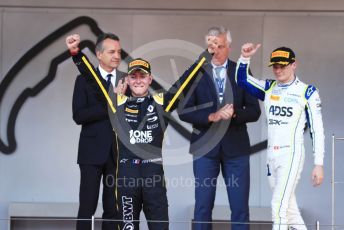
(244, 60)
(74, 52)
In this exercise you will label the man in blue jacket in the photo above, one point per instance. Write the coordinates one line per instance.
(218, 110)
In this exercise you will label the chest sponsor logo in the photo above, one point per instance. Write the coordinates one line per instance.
(150, 108)
(132, 106)
(128, 217)
(152, 119)
(281, 111)
(131, 115)
(135, 111)
(154, 126)
(277, 122)
(276, 92)
(137, 136)
(130, 120)
(275, 97)
(290, 100)
(139, 100)
(294, 95)
(151, 114)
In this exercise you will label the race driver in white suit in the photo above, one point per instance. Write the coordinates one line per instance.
(289, 104)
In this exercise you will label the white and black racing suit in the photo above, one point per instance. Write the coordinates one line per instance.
(288, 108)
(139, 124)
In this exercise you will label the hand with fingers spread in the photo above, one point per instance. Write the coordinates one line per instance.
(249, 49)
(72, 42)
(317, 175)
(121, 87)
(212, 44)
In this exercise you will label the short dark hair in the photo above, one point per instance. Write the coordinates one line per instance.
(102, 37)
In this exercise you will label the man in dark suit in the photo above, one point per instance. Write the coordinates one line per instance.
(97, 155)
(219, 111)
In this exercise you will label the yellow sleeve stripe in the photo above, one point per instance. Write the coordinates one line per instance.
(188, 79)
(159, 98)
(99, 83)
(121, 99)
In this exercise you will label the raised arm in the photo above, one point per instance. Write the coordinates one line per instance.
(252, 85)
(184, 83)
(86, 69)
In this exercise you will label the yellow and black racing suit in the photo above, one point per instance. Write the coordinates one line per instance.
(139, 124)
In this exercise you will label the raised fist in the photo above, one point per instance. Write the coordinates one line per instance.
(248, 49)
(72, 42)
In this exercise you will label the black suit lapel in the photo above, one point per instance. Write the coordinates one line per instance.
(228, 97)
(101, 78)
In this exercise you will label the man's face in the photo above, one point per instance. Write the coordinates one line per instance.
(139, 83)
(284, 73)
(110, 56)
(221, 53)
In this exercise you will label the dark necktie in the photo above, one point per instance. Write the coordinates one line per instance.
(108, 81)
(220, 82)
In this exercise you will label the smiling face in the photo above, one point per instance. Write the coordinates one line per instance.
(110, 55)
(284, 73)
(139, 83)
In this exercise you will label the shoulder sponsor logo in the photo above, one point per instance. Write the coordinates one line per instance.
(310, 90)
(138, 136)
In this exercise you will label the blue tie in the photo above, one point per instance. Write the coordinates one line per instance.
(220, 81)
(108, 81)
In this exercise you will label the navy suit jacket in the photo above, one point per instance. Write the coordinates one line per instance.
(91, 112)
(229, 136)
